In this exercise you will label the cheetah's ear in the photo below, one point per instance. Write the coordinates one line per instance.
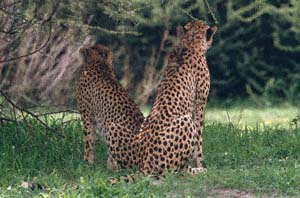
(188, 26)
(179, 31)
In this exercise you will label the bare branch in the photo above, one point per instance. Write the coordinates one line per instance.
(33, 52)
(56, 112)
(9, 5)
(52, 13)
(29, 113)
(99, 28)
(8, 32)
(6, 119)
(211, 12)
(163, 40)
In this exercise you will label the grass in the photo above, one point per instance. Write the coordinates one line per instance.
(243, 157)
(250, 116)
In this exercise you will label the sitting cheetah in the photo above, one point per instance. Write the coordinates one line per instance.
(172, 134)
(103, 101)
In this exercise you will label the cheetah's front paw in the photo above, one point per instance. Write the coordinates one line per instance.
(89, 159)
(196, 171)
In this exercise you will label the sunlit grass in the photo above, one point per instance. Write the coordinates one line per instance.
(243, 115)
(251, 117)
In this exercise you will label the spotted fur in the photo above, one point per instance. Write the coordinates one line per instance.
(102, 101)
(171, 136)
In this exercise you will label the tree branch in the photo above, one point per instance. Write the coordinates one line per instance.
(6, 119)
(29, 113)
(33, 52)
(9, 5)
(56, 112)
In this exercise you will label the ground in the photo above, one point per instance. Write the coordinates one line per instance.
(243, 159)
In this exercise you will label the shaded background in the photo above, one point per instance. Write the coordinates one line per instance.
(255, 55)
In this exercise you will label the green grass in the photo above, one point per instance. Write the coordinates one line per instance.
(242, 116)
(261, 160)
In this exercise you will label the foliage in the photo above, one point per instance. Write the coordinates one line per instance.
(262, 160)
(255, 51)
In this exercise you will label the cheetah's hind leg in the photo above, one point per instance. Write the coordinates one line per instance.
(121, 147)
(89, 137)
(171, 146)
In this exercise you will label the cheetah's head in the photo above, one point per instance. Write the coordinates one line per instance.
(197, 35)
(97, 54)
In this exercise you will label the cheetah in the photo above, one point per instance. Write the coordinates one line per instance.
(102, 101)
(171, 136)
